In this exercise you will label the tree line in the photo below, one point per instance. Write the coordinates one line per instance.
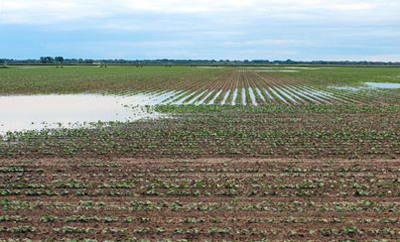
(75, 61)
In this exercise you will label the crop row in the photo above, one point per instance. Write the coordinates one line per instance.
(178, 85)
(249, 87)
(153, 200)
(302, 131)
(135, 239)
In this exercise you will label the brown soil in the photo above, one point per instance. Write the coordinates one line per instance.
(278, 199)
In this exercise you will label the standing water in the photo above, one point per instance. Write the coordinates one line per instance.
(225, 97)
(233, 100)
(383, 85)
(252, 97)
(260, 94)
(215, 97)
(243, 96)
(52, 111)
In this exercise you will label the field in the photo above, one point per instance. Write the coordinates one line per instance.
(201, 200)
(208, 85)
(259, 153)
(301, 131)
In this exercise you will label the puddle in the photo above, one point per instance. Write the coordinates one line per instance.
(369, 85)
(346, 88)
(260, 94)
(289, 71)
(278, 95)
(53, 111)
(296, 95)
(321, 96)
(253, 97)
(328, 95)
(305, 68)
(285, 93)
(215, 97)
(225, 97)
(210, 67)
(312, 96)
(32, 67)
(204, 98)
(194, 99)
(293, 68)
(243, 96)
(383, 85)
(235, 93)
(268, 94)
(304, 95)
(153, 99)
(178, 99)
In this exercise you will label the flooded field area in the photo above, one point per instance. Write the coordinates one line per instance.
(140, 90)
(383, 85)
(51, 111)
(371, 85)
(28, 112)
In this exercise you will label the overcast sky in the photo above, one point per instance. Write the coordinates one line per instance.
(202, 29)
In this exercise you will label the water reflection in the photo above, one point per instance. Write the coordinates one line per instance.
(51, 111)
(370, 85)
(383, 85)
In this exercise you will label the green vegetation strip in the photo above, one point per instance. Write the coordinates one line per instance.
(310, 131)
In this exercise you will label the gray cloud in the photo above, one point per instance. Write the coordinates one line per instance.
(307, 29)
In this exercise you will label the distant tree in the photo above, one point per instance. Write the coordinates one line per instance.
(59, 59)
(46, 59)
(4, 64)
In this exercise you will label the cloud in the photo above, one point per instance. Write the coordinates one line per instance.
(152, 44)
(262, 42)
(329, 5)
(378, 57)
(47, 11)
(306, 29)
(184, 6)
